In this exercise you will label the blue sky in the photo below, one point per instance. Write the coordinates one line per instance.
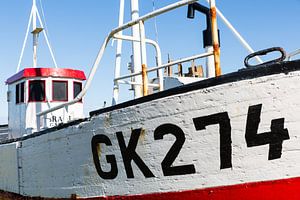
(77, 29)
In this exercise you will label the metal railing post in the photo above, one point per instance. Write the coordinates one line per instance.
(144, 58)
(158, 55)
(215, 37)
(294, 53)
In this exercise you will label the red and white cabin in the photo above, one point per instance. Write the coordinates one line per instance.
(34, 90)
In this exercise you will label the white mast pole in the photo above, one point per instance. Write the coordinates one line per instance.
(34, 34)
(118, 56)
(136, 49)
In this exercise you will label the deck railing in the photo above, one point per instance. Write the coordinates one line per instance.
(143, 40)
(294, 53)
(112, 34)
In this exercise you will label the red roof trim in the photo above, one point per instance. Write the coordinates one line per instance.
(47, 72)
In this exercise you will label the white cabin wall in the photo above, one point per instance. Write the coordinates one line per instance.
(57, 117)
(16, 112)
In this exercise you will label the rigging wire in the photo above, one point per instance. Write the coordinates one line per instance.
(46, 33)
(44, 18)
(156, 32)
(155, 22)
(24, 43)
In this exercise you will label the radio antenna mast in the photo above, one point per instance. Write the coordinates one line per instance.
(34, 15)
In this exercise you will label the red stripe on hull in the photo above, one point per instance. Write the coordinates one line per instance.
(268, 190)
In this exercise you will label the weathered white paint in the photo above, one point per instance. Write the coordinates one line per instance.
(60, 163)
(9, 168)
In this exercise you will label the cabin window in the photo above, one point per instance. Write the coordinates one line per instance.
(20, 93)
(60, 91)
(77, 88)
(37, 90)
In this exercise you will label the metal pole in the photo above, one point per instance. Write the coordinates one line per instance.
(136, 48)
(294, 53)
(215, 37)
(168, 64)
(158, 55)
(210, 65)
(144, 58)
(237, 34)
(118, 56)
(35, 35)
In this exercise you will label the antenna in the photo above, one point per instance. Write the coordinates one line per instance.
(34, 15)
(35, 32)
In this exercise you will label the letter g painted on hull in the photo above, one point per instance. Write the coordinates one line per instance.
(111, 159)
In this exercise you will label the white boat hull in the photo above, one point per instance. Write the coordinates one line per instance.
(210, 124)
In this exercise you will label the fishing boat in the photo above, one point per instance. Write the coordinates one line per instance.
(198, 135)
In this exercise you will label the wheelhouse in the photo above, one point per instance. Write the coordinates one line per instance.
(34, 90)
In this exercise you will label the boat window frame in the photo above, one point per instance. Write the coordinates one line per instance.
(80, 83)
(66, 91)
(29, 92)
(20, 93)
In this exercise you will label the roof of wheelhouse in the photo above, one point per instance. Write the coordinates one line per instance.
(46, 72)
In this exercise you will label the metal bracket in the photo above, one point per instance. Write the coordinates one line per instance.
(265, 52)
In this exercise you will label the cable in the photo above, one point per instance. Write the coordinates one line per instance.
(25, 39)
(155, 24)
(44, 18)
(46, 33)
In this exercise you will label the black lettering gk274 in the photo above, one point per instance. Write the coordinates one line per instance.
(274, 138)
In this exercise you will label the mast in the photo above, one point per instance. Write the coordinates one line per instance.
(35, 33)
(34, 16)
(136, 48)
(118, 56)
